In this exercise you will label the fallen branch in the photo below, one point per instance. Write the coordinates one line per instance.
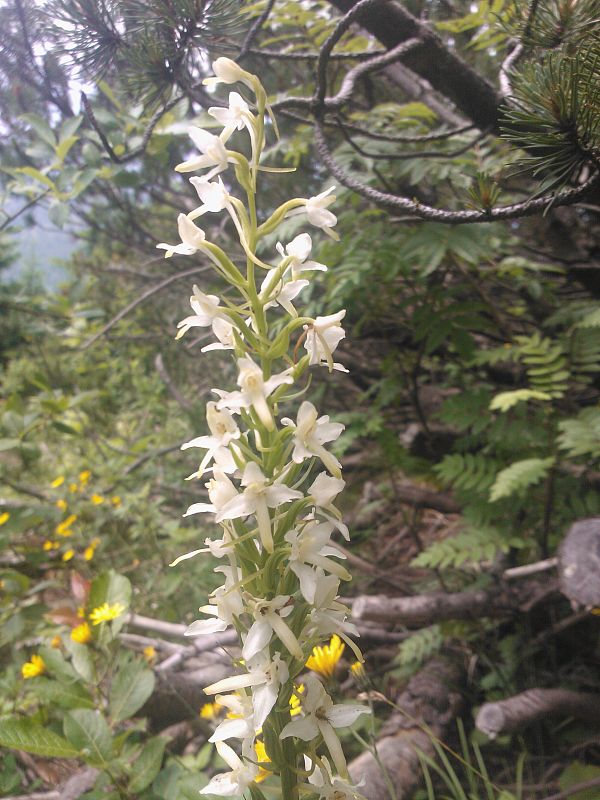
(515, 713)
(428, 609)
(424, 711)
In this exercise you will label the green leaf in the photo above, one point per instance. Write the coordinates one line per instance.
(38, 176)
(71, 695)
(577, 772)
(147, 765)
(131, 686)
(506, 400)
(41, 127)
(22, 734)
(519, 476)
(63, 148)
(88, 731)
(81, 659)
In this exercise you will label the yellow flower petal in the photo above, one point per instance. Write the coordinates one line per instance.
(324, 659)
(58, 482)
(33, 668)
(68, 554)
(82, 634)
(97, 499)
(106, 612)
(4, 518)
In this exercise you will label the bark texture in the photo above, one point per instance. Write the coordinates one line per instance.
(432, 699)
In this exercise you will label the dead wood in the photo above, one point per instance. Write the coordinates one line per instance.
(428, 609)
(515, 713)
(430, 702)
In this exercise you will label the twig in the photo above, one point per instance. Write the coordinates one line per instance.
(159, 366)
(140, 150)
(144, 296)
(21, 210)
(254, 29)
(529, 569)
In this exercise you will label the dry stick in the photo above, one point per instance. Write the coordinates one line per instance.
(515, 713)
(574, 789)
(144, 296)
(254, 29)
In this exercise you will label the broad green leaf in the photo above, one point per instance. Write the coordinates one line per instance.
(41, 127)
(57, 665)
(22, 734)
(69, 127)
(88, 731)
(38, 176)
(131, 686)
(63, 148)
(147, 765)
(71, 695)
(81, 659)
(519, 476)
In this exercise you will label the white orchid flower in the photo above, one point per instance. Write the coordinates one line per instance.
(322, 717)
(265, 676)
(223, 429)
(223, 330)
(225, 604)
(317, 213)
(311, 432)
(240, 718)
(220, 491)
(258, 496)
(192, 237)
(227, 71)
(254, 390)
(268, 619)
(298, 250)
(328, 785)
(324, 489)
(207, 308)
(322, 337)
(213, 154)
(219, 548)
(234, 783)
(311, 547)
(235, 117)
(281, 293)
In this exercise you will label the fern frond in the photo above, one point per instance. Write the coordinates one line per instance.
(546, 364)
(472, 545)
(506, 400)
(585, 352)
(519, 476)
(591, 319)
(466, 411)
(415, 650)
(581, 436)
(473, 472)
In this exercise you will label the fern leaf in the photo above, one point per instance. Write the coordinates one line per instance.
(472, 472)
(519, 476)
(506, 400)
(415, 650)
(581, 436)
(472, 545)
(591, 320)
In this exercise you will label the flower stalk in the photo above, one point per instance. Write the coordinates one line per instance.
(274, 479)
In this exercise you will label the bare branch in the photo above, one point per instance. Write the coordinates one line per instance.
(144, 296)
(526, 208)
(254, 29)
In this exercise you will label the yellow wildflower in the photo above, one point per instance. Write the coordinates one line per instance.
(68, 554)
(49, 545)
(149, 654)
(358, 673)
(116, 501)
(56, 641)
(324, 659)
(97, 499)
(295, 701)
(33, 668)
(73, 487)
(58, 482)
(82, 634)
(4, 517)
(89, 551)
(211, 711)
(84, 476)
(64, 528)
(62, 504)
(261, 756)
(81, 612)
(106, 612)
